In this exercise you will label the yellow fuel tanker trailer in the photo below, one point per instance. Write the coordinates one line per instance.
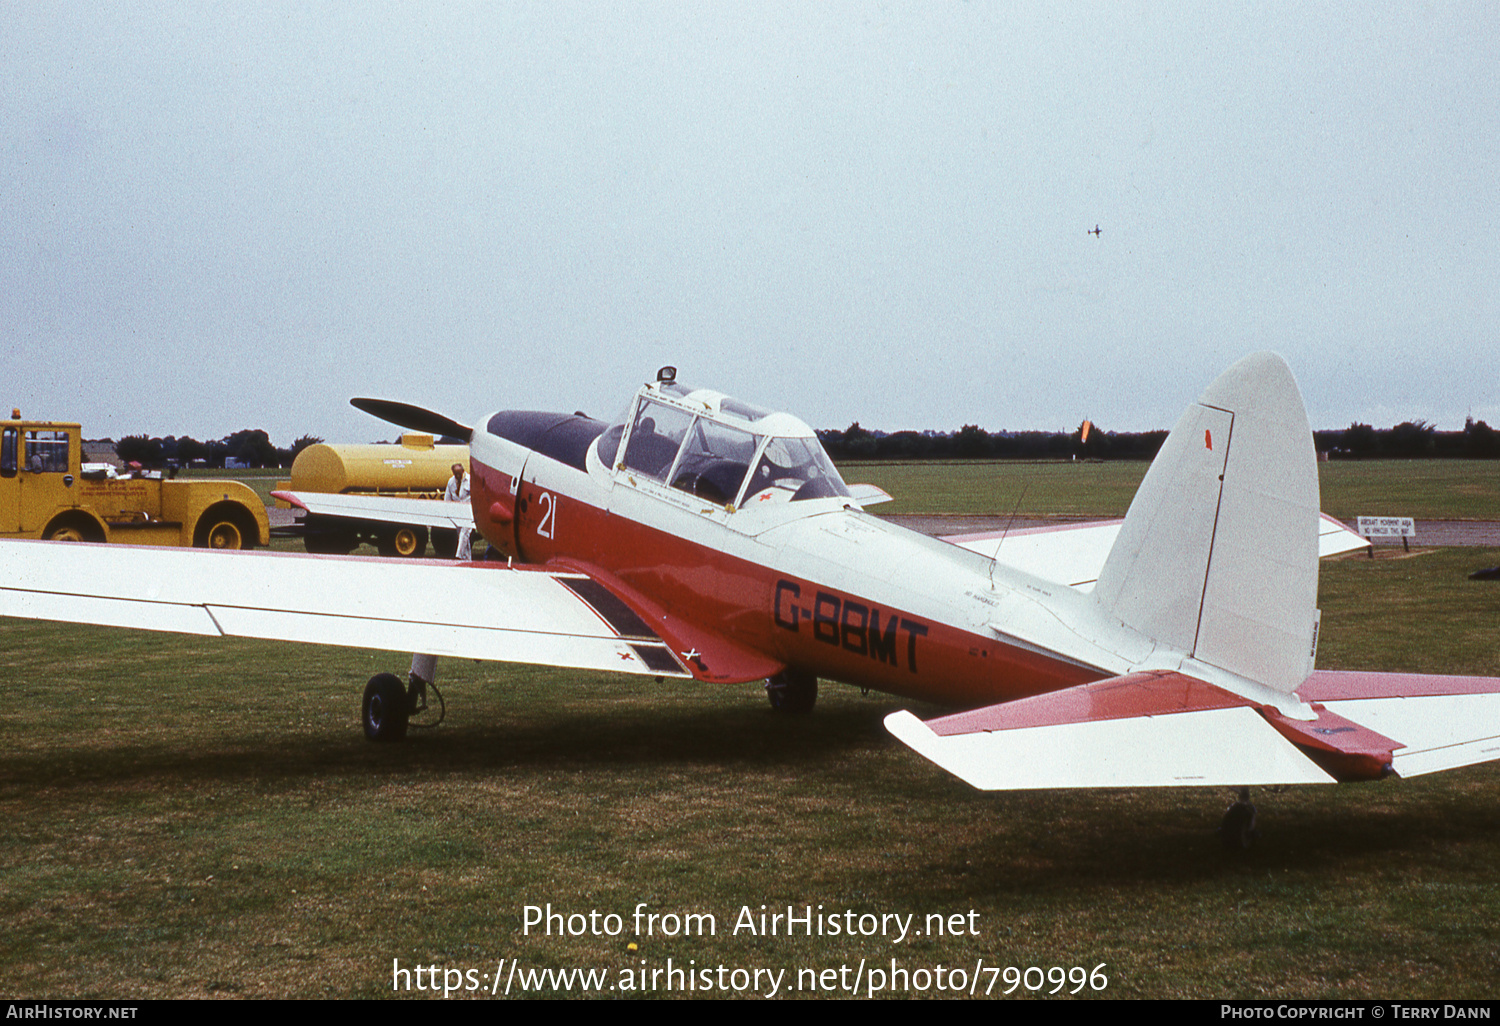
(47, 492)
(417, 468)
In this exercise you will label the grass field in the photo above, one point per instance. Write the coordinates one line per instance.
(261, 482)
(1428, 489)
(187, 817)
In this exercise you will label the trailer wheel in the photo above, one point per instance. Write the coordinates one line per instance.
(386, 708)
(404, 541)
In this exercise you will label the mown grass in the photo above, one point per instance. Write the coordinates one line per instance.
(1429, 489)
(202, 818)
(260, 481)
(187, 817)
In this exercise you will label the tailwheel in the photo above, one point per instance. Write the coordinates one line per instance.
(1238, 831)
(792, 691)
(386, 708)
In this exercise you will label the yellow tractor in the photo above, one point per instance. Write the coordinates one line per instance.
(47, 492)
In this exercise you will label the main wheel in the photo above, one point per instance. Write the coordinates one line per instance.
(66, 533)
(792, 691)
(386, 708)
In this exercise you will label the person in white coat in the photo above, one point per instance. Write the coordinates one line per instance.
(458, 491)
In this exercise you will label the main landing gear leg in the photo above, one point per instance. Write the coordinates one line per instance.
(422, 674)
(423, 678)
(1238, 831)
(792, 691)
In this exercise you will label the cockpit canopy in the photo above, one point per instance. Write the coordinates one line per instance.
(705, 443)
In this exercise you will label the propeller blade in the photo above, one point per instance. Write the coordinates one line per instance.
(412, 417)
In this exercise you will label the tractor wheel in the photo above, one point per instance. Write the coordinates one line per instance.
(225, 535)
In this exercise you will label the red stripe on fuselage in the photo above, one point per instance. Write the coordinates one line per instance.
(855, 639)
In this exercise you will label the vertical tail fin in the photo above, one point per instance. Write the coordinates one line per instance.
(1218, 556)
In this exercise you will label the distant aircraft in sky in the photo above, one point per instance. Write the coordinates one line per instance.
(701, 536)
(1094, 231)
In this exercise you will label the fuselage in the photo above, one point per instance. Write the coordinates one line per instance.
(744, 580)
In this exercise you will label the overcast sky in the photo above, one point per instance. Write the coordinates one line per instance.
(218, 216)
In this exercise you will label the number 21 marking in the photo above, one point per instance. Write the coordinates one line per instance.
(547, 526)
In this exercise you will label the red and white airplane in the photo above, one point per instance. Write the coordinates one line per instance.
(700, 536)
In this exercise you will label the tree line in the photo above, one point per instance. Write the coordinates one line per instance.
(1412, 439)
(1408, 440)
(248, 448)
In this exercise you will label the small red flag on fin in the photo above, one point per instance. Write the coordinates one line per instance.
(1208, 439)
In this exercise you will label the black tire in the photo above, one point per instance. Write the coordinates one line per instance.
(792, 692)
(386, 708)
(330, 543)
(445, 542)
(226, 526)
(73, 527)
(328, 536)
(1238, 831)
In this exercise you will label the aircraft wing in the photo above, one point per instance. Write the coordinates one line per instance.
(1073, 554)
(472, 610)
(385, 509)
(1163, 728)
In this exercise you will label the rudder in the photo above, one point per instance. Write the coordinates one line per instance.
(1218, 556)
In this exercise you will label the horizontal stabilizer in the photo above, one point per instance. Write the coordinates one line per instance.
(868, 494)
(1147, 693)
(1144, 730)
(1073, 554)
(1441, 722)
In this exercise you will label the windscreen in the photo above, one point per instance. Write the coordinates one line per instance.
(714, 462)
(793, 469)
(655, 438)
